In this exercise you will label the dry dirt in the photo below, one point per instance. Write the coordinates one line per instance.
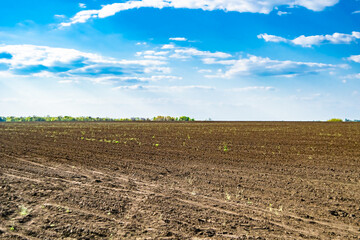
(215, 180)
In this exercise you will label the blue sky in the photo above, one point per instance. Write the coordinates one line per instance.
(224, 59)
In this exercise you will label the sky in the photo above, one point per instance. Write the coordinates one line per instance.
(219, 59)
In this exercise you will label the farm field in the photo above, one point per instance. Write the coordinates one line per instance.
(199, 180)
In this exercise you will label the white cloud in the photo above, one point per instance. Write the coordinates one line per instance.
(133, 79)
(355, 12)
(59, 16)
(161, 77)
(280, 13)
(141, 43)
(340, 38)
(168, 46)
(355, 58)
(179, 56)
(82, 5)
(43, 61)
(309, 41)
(173, 51)
(259, 66)
(161, 53)
(133, 87)
(252, 88)
(221, 62)
(205, 71)
(81, 17)
(164, 88)
(352, 76)
(152, 52)
(153, 78)
(311, 97)
(66, 81)
(160, 70)
(149, 52)
(356, 34)
(155, 57)
(189, 52)
(271, 38)
(181, 39)
(265, 6)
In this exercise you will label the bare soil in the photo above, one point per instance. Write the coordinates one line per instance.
(214, 180)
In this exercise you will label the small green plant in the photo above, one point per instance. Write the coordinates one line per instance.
(227, 196)
(226, 148)
(23, 211)
(12, 228)
(90, 139)
(156, 144)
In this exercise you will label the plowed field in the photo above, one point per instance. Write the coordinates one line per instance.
(214, 180)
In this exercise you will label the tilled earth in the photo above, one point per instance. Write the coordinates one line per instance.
(201, 180)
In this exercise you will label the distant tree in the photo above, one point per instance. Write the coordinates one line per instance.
(10, 119)
(169, 119)
(89, 119)
(159, 118)
(335, 120)
(349, 120)
(68, 119)
(185, 118)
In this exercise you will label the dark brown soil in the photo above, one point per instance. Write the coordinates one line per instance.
(229, 180)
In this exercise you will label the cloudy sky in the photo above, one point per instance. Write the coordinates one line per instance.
(218, 59)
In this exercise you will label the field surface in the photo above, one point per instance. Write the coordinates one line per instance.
(215, 180)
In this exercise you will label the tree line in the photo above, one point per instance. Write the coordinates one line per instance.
(340, 120)
(91, 119)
